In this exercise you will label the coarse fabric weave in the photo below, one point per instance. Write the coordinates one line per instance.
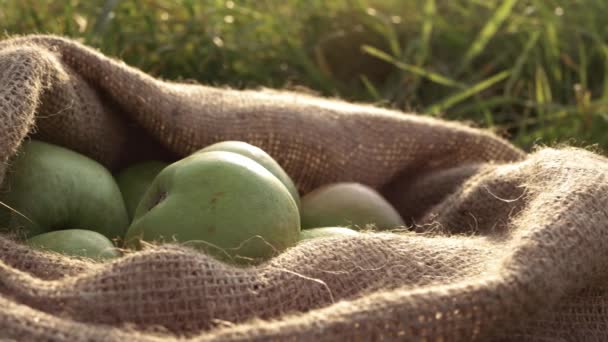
(500, 244)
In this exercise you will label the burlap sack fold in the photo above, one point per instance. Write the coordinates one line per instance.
(503, 245)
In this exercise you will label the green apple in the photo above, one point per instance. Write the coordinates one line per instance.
(50, 187)
(259, 156)
(135, 180)
(76, 242)
(315, 233)
(221, 202)
(348, 204)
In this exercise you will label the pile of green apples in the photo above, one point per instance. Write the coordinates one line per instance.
(231, 200)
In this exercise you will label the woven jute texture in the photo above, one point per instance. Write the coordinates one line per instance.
(500, 244)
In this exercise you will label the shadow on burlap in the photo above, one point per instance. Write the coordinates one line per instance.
(502, 245)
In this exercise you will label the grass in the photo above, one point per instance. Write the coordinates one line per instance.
(535, 71)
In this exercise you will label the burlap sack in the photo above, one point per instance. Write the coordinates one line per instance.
(502, 245)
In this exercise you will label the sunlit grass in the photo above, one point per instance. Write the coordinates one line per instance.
(534, 71)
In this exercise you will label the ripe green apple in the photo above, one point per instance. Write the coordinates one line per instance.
(221, 202)
(348, 204)
(261, 157)
(76, 242)
(51, 187)
(314, 233)
(135, 180)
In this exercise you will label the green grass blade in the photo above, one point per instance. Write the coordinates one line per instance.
(424, 51)
(521, 61)
(489, 30)
(488, 116)
(583, 64)
(68, 12)
(429, 12)
(490, 103)
(552, 50)
(393, 39)
(431, 76)
(462, 95)
(371, 89)
(605, 83)
(542, 86)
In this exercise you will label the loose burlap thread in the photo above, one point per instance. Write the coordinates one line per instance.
(501, 244)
